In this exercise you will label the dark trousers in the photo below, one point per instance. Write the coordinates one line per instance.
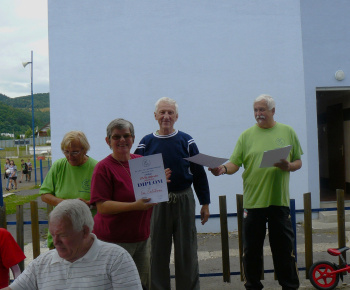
(281, 237)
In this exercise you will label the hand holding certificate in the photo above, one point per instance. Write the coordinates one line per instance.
(148, 178)
(274, 156)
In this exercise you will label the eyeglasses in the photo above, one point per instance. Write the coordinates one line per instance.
(73, 153)
(118, 137)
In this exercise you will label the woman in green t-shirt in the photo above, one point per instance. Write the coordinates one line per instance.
(70, 177)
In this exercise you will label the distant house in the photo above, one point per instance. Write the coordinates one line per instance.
(7, 134)
(43, 131)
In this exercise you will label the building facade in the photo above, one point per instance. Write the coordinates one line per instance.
(114, 59)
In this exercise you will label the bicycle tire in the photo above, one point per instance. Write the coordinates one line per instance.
(316, 272)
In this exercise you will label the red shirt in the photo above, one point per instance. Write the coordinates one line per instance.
(112, 181)
(10, 255)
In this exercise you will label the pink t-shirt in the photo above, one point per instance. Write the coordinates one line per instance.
(111, 181)
(10, 255)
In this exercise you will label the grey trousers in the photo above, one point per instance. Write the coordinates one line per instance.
(140, 252)
(174, 220)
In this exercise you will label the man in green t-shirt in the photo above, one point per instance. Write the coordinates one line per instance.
(266, 195)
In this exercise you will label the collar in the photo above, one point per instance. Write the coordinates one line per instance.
(90, 255)
(155, 134)
(274, 125)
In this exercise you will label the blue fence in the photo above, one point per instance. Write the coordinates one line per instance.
(293, 215)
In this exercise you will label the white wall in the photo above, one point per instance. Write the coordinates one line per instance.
(111, 59)
(326, 38)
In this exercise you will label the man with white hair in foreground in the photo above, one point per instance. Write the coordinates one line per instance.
(79, 260)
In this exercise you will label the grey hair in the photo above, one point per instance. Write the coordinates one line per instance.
(75, 136)
(269, 101)
(76, 211)
(120, 124)
(169, 101)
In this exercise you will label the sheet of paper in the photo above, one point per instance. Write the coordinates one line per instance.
(206, 160)
(148, 178)
(274, 156)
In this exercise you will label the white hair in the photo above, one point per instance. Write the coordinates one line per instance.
(76, 211)
(269, 101)
(169, 101)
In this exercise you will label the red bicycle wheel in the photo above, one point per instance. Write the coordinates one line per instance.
(321, 276)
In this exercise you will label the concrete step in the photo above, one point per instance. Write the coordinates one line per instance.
(322, 227)
(332, 216)
(328, 220)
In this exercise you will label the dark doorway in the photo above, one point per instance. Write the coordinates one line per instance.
(335, 136)
(333, 120)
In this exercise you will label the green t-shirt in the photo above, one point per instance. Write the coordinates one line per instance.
(263, 187)
(68, 182)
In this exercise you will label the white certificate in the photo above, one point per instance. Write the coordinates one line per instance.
(274, 156)
(148, 178)
(207, 160)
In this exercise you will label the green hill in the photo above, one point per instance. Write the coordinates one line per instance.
(41, 101)
(16, 113)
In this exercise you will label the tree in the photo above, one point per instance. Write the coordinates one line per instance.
(28, 133)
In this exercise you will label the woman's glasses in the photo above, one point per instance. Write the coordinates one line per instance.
(118, 137)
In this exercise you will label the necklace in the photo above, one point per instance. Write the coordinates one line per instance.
(124, 168)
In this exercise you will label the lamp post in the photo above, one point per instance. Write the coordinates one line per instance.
(2, 207)
(24, 65)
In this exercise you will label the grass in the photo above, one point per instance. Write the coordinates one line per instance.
(22, 155)
(13, 200)
(18, 162)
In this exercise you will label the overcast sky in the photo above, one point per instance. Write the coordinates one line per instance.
(23, 28)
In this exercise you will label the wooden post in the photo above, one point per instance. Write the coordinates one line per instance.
(20, 231)
(308, 233)
(341, 222)
(224, 240)
(35, 228)
(3, 222)
(239, 204)
(49, 208)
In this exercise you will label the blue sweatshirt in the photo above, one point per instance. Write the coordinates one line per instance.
(174, 147)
